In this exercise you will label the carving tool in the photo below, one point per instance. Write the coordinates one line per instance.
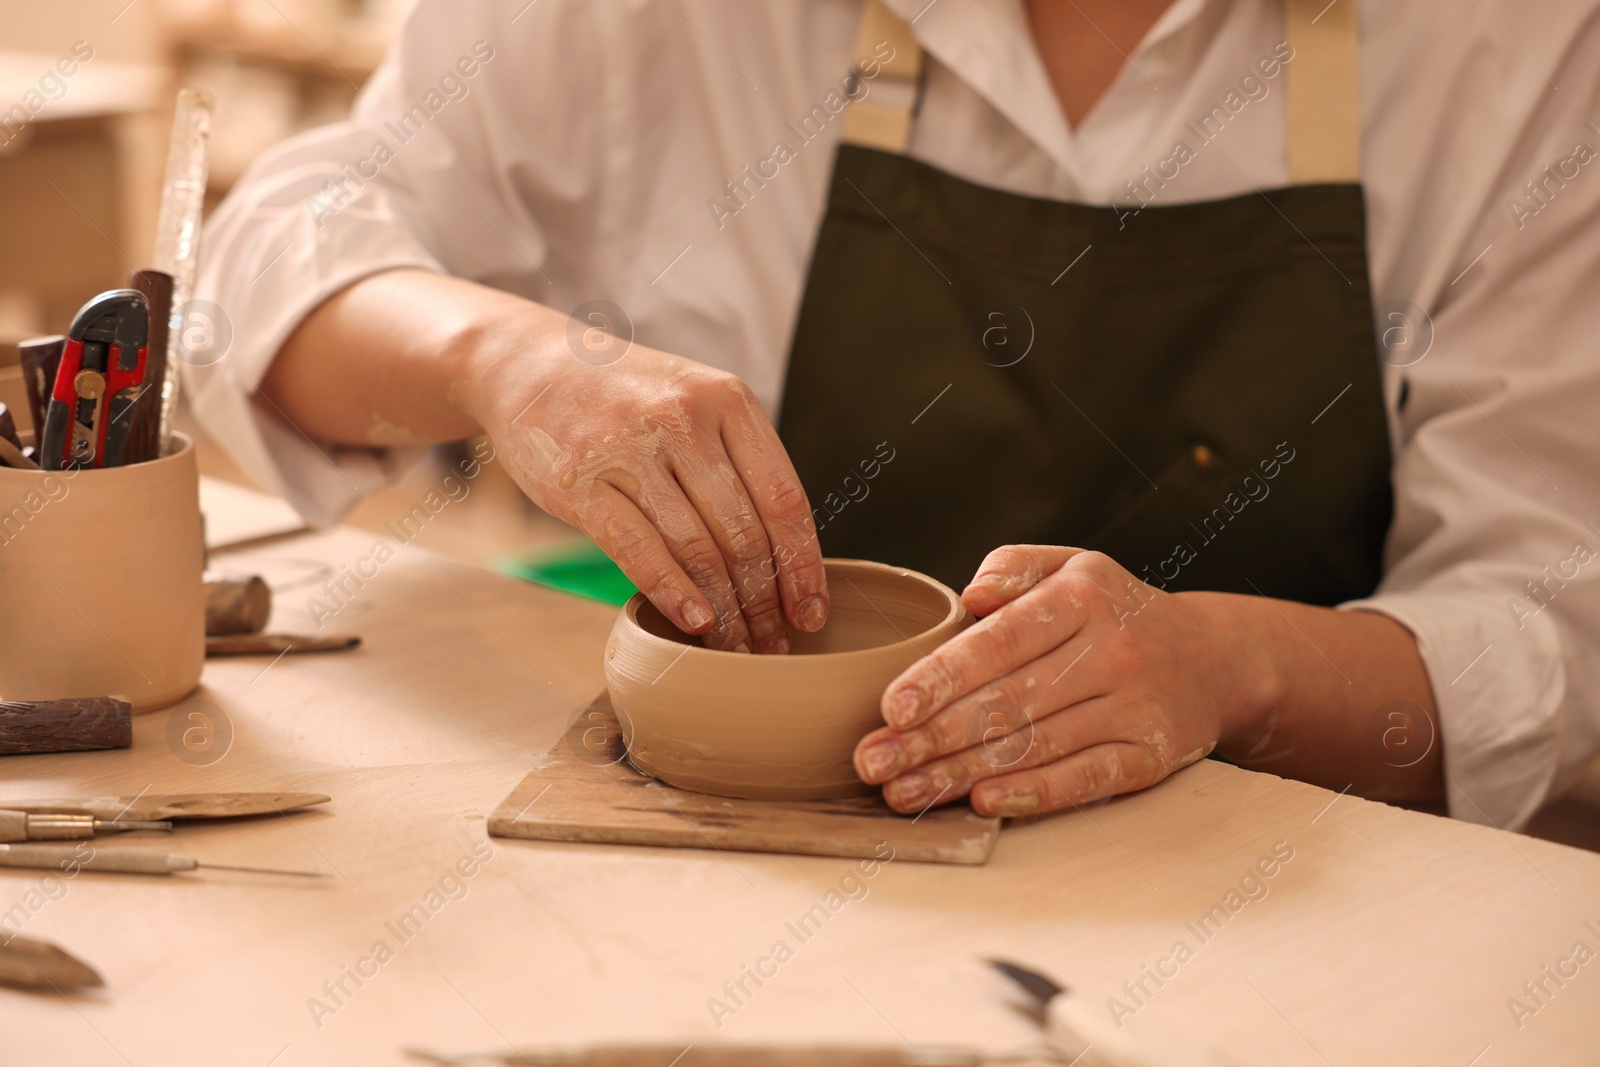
(8, 428)
(171, 806)
(39, 357)
(27, 826)
(183, 195)
(121, 861)
(101, 376)
(34, 964)
(12, 456)
(273, 644)
(686, 1054)
(1085, 1034)
(78, 725)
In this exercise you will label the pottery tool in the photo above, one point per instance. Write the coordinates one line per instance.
(236, 603)
(39, 357)
(276, 644)
(27, 826)
(1085, 1033)
(122, 861)
(144, 429)
(687, 1054)
(78, 725)
(172, 806)
(586, 790)
(183, 195)
(13, 456)
(34, 964)
(100, 378)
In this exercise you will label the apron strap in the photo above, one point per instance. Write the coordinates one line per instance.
(1323, 89)
(882, 119)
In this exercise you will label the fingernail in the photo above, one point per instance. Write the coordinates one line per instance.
(774, 646)
(905, 706)
(742, 648)
(1014, 805)
(909, 791)
(813, 613)
(695, 615)
(881, 761)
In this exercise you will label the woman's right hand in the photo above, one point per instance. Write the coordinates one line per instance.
(676, 472)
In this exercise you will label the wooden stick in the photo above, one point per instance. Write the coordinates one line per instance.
(78, 725)
(273, 644)
(236, 603)
(40, 357)
(144, 436)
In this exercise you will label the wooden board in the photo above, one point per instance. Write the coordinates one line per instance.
(586, 790)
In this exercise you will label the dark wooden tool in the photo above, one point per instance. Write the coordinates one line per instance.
(34, 964)
(8, 427)
(40, 357)
(144, 437)
(586, 790)
(236, 603)
(77, 725)
(273, 644)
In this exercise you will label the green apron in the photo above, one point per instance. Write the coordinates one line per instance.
(1193, 389)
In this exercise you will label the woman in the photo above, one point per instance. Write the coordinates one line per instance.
(1073, 299)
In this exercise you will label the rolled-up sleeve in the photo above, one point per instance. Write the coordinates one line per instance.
(1493, 560)
(411, 180)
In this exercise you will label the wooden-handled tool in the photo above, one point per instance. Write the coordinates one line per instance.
(144, 429)
(11, 454)
(173, 806)
(274, 644)
(78, 725)
(34, 964)
(40, 357)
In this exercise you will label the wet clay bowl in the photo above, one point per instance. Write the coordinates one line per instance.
(774, 727)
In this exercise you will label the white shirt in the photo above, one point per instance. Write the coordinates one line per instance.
(582, 157)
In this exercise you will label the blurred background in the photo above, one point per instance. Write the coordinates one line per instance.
(81, 173)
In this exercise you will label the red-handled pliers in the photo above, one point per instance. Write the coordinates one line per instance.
(100, 379)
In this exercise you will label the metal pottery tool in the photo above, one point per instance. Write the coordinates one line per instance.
(183, 195)
(82, 724)
(121, 861)
(52, 826)
(101, 376)
(34, 964)
(172, 806)
(1084, 1034)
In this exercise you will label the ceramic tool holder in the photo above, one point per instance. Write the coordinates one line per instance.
(100, 582)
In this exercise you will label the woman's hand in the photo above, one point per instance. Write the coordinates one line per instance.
(1080, 682)
(677, 473)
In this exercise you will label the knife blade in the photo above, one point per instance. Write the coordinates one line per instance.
(39, 965)
(171, 806)
(1087, 1035)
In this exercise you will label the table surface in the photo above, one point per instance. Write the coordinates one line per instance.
(1388, 936)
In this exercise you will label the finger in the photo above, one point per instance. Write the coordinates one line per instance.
(1051, 738)
(1095, 773)
(662, 502)
(1007, 573)
(779, 498)
(714, 487)
(1048, 615)
(998, 716)
(623, 532)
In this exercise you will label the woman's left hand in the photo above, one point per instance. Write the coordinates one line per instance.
(1080, 682)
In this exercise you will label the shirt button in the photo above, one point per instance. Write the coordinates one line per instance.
(1202, 457)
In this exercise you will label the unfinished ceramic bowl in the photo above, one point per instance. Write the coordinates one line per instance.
(774, 727)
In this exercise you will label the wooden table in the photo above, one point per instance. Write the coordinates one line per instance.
(1389, 938)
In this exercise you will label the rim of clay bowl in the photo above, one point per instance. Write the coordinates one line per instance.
(630, 612)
